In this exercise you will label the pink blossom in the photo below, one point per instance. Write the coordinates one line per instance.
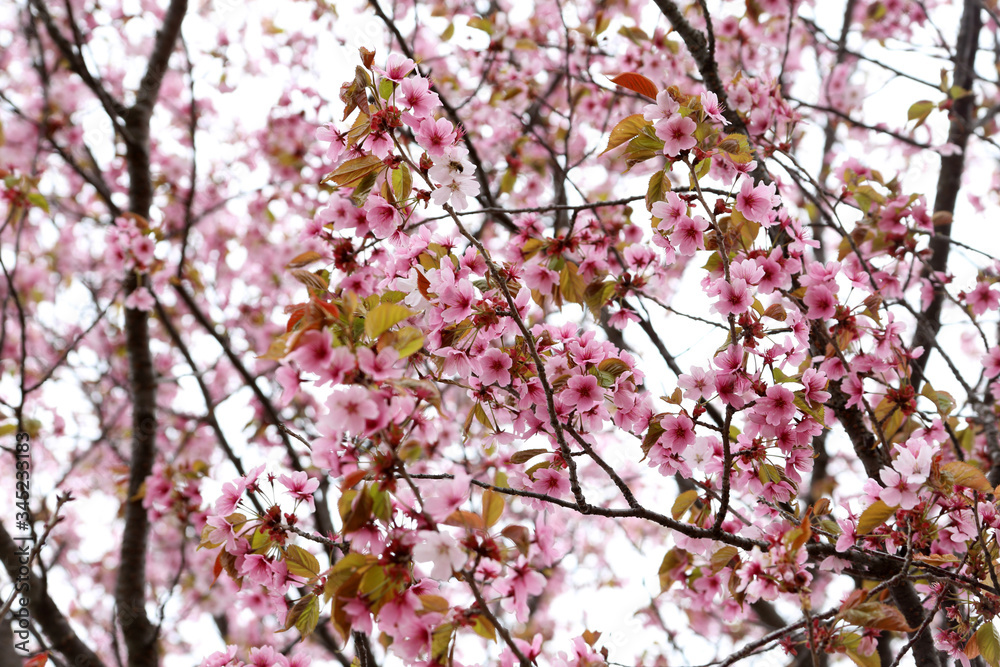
(777, 405)
(688, 234)
(290, 381)
(814, 384)
(734, 297)
(523, 582)
(665, 107)
(848, 535)
(454, 175)
(416, 94)
(697, 384)
(434, 136)
(336, 138)
(257, 568)
(351, 407)
(755, 203)
(232, 492)
(300, 486)
(142, 249)
(677, 134)
(678, 432)
(266, 656)
(710, 104)
(396, 67)
(378, 144)
(541, 278)
(381, 366)
(382, 217)
(898, 491)
(446, 497)
(140, 299)
(730, 360)
(980, 299)
(314, 352)
(821, 302)
(991, 362)
(459, 300)
(494, 366)
(220, 658)
(550, 482)
(671, 211)
(224, 532)
(582, 392)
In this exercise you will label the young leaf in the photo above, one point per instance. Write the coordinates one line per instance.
(637, 83)
(873, 517)
(353, 171)
(683, 503)
(967, 475)
(384, 316)
(301, 563)
(989, 644)
(493, 505)
(626, 129)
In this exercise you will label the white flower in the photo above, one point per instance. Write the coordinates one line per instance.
(456, 179)
(440, 549)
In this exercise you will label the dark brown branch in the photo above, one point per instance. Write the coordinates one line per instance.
(138, 631)
(44, 611)
(950, 179)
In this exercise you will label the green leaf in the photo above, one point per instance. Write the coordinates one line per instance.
(364, 188)
(597, 294)
(637, 83)
(967, 475)
(304, 615)
(353, 171)
(482, 627)
(301, 563)
(520, 536)
(625, 130)
(441, 640)
(493, 505)
(702, 168)
(874, 516)
(479, 23)
(683, 503)
(919, 111)
(944, 401)
(671, 560)
(382, 317)
(659, 186)
(38, 200)
(408, 340)
(864, 660)
(386, 88)
(737, 147)
(723, 557)
(989, 643)
(402, 182)
(571, 284)
(613, 366)
(526, 455)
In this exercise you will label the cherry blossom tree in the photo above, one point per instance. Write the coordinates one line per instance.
(496, 314)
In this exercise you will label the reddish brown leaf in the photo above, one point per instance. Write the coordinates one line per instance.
(637, 83)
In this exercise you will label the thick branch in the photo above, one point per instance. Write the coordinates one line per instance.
(130, 590)
(44, 611)
(950, 179)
